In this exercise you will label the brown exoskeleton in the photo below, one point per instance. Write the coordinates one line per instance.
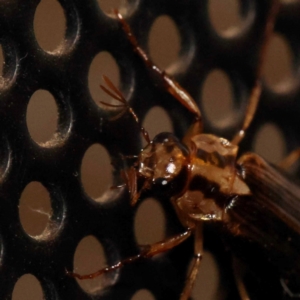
(201, 173)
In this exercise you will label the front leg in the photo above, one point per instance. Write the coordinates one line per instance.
(171, 85)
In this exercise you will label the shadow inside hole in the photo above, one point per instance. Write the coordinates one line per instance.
(27, 287)
(149, 222)
(35, 209)
(89, 257)
(49, 25)
(96, 171)
(269, 142)
(42, 117)
(164, 42)
(278, 64)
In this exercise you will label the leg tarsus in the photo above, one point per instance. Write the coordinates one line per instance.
(117, 95)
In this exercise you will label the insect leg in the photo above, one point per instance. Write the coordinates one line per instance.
(256, 90)
(288, 161)
(287, 290)
(114, 92)
(173, 87)
(238, 276)
(198, 250)
(130, 178)
(147, 252)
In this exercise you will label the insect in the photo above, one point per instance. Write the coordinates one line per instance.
(206, 183)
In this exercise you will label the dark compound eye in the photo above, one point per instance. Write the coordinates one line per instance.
(169, 142)
(165, 138)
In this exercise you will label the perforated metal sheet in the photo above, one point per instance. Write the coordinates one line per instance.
(82, 123)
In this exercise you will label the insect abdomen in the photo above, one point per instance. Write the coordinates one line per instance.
(264, 228)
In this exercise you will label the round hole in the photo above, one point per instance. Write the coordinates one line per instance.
(143, 295)
(207, 282)
(89, 257)
(278, 64)
(41, 117)
(149, 223)
(217, 99)
(96, 171)
(103, 64)
(28, 287)
(270, 143)
(156, 121)
(35, 209)
(49, 25)
(225, 16)
(164, 42)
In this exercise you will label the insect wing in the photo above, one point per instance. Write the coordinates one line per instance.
(265, 227)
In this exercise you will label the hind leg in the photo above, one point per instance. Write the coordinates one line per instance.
(198, 250)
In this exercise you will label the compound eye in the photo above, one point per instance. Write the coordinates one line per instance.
(165, 138)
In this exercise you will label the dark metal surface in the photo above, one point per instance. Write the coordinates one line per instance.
(82, 123)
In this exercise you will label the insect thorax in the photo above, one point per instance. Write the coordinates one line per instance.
(214, 180)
